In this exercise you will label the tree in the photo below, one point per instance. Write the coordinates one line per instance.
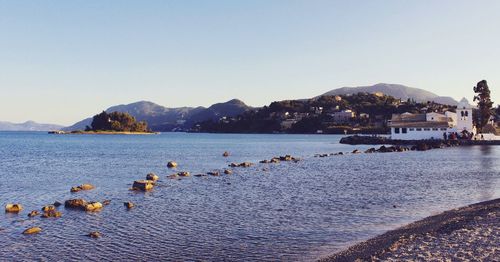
(485, 105)
(117, 121)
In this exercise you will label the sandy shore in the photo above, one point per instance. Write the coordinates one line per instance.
(470, 233)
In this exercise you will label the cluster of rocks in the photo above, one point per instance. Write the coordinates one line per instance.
(275, 160)
(146, 184)
(50, 211)
(81, 204)
(243, 164)
(421, 146)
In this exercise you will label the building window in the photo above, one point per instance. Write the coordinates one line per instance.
(396, 130)
(412, 129)
(427, 129)
(443, 129)
(435, 129)
(419, 129)
(404, 130)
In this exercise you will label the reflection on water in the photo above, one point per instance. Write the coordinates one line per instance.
(286, 211)
(487, 179)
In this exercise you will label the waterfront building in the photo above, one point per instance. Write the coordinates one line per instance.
(408, 126)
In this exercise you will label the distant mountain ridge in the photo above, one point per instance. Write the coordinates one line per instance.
(28, 126)
(163, 119)
(160, 118)
(397, 91)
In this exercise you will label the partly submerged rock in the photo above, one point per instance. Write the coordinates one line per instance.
(152, 177)
(34, 213)
(106, 202)
(183, 174)
(356, 151)
(228, 171)
(171, 164)
(275, 160)
(13, 208)
(371, 150)
(128, 205)
(32, 230)
(93, 206)
(82, 187)
(214, 173)
(143, 185)
(52, 213)
(75, 203)
(48, 208)
(57, 204)
(225, 154)
(95, 234)
(243, 164)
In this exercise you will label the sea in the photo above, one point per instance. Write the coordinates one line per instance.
(288, 211)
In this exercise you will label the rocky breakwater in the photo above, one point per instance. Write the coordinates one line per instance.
(381, 140)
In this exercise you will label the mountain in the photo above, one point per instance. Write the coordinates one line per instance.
(397, 91)
(160, 118)
(28, 126)
(216, 111)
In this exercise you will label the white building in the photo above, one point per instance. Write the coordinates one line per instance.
(343, 116)
(409, 126)
(464, 116)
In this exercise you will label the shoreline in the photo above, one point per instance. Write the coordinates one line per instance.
(469, 224)
(381, 140)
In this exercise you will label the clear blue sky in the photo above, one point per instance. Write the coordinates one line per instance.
(61, 61)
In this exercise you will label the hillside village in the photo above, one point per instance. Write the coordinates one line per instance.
(336, 114)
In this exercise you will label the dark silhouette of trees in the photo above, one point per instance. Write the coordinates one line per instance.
(117, 121)
(485, 105)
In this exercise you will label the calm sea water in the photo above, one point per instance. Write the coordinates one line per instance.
(269, 212)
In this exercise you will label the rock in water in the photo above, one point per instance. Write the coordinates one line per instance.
(215, 173)
(370, 150)
(275, 160)
(32, 230)
(82, 187)
(106, 202)
(184, 174)
(143, 185)
(228, 171)
(52, 214)
(94, 234)
(128, 205)
(13, 208)
(226, 154)
(152, 177)
(171, 164)
(75, 203)
(57, 204)
(48, 208)
(34, 213)
(93, 206)
(246, 164)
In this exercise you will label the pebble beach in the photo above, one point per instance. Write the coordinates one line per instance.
(470, 233)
